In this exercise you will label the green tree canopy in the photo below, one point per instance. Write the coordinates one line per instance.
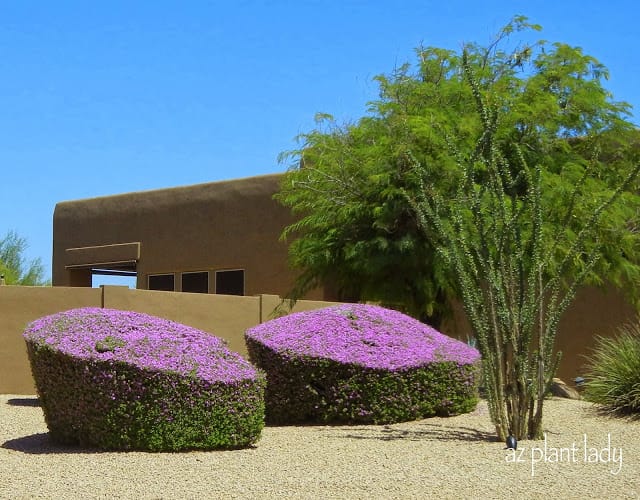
(356, 230)
(13, 266)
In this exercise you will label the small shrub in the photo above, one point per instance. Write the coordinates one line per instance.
(613, 375)
(361, 364)
(124, 380)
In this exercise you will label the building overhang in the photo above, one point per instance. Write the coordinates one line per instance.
(119, 256)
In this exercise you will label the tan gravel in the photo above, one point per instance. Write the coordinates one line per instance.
(434, 458)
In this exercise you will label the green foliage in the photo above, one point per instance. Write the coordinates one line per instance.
(304, 389)
(356, 231)
(117, 405)
(613, 377)
(13, 266)
(171, 413)
(518, 237)
(358, 234)
(109, 343)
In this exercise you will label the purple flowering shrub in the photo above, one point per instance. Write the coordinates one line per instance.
(124, 380)
(361, 364)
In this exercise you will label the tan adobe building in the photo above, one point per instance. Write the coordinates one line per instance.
(224, 238)
(219, 237)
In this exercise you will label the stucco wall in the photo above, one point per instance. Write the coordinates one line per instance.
(595, 311)
(20, 305)
(225, 316)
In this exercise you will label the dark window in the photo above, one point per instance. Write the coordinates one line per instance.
(230, 282)
(161, 282)
(195, 282)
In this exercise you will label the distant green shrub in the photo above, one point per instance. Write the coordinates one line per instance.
(361, 364)
(128, 381)
(613, 375)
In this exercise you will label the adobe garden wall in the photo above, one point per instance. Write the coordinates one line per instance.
(19, 305)
(594, 312)
(223, 315)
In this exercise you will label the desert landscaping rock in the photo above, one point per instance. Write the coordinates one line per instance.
(560, 389)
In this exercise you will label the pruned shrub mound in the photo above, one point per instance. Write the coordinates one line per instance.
(361, 364)
(124, 380)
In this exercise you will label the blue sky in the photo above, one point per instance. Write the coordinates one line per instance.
(102, 98)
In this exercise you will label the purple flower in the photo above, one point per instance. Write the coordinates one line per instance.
(145, 341)
(365, 335)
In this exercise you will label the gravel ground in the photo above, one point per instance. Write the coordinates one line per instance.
(453, 457)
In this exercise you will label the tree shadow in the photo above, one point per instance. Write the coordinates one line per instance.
(34, 401)
(423, 432)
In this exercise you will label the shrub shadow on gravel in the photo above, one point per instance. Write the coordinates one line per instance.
(41, 444)
(24, 402)
(602, 411)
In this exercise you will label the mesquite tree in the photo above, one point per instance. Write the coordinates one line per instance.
(355, 230)
(513, 286)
